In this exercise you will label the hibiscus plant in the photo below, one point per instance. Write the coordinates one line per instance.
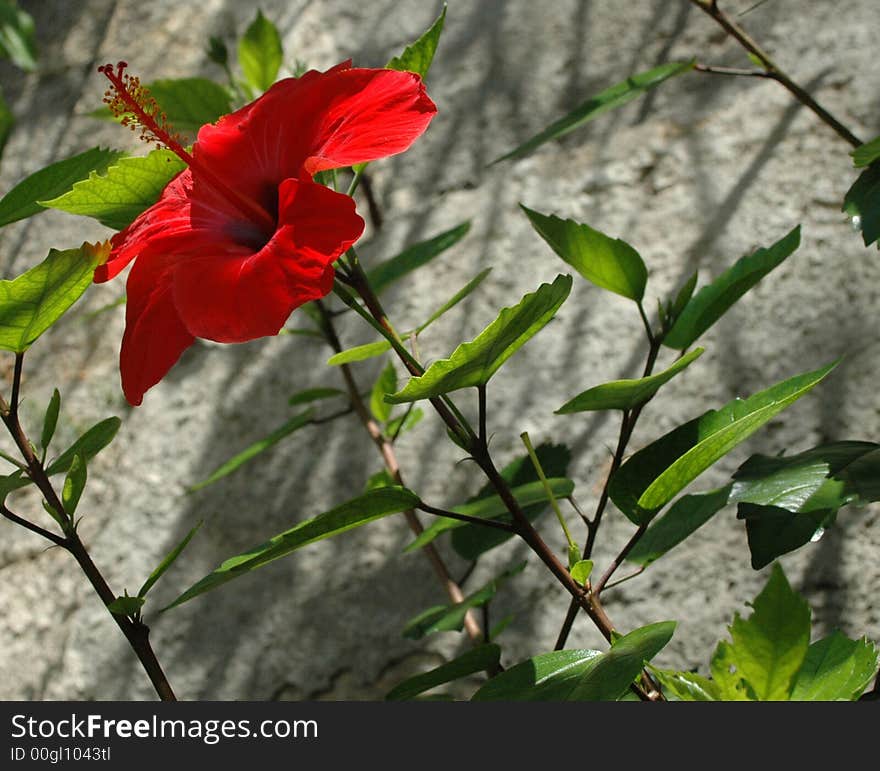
(248, 215)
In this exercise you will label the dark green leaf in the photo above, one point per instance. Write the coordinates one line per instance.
(88, 445)
(713, 300)
(126, 606)
(686, 686)
(448, 618)
(128, 188)
(625, 394)
(50, 420)
(217, 51)
(34, 301)
(354, 513)
(385, 384)
(474, 363)
(862, 203)
(773, 531)
(656, 474)
(685, 516)
(493, 508)
(310, 395)
(74, 484)
(7, 121)
(615, 96)
(607, 262)
(836, 668)
(395, 268)
(293, 424)
(17, 41)
(682, 298)
(53, 181)
(418, 56)
(867, 153)
(470, 541)
(483, 657)
(167, 562)
(768, 648)
(260, 53)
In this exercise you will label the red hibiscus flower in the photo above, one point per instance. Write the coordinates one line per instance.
(243, 236)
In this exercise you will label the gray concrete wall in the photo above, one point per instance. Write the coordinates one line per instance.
(695, 175)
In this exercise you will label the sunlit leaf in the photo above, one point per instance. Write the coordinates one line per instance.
(87, 446)
(167, 562)
(74, 484)
(686, 686)
(260, 53)
(126, 606)
(836, 668)
(50, 419)
(866, 154)
(418, 56)
(386, 383)
(479, 659)
(862, 203)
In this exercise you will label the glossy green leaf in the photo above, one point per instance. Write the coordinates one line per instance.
(773, 531)
(862, 203)
(354, 513)
(167, 562)
(418, 56)
(607, 262)
(768, 648)
(625, 394)
(474, 363)
(50, 420)
(34, 301)
(617, 95)
(866, 154)
(581, 571)
(128, 188)
(836, 668)
(450, 618)
(17, 41)
(310, 395)
(260, 53)
(126, 606)
(686, 686)
(233, 464)
(74, 484)
(656, 474)
(386, 273)
(88, 445)
(470, 541)
(713, 300)
(493, 508)
(53, 181)
(684, 517)
(479, 659)
(385, 384)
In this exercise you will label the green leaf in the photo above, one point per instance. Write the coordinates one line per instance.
(359, 353)
(354, 513)
(17, 41)
(836, 668)
(418, 56)
(14, 481)
(293, 424)
(7, 121)
(34, 301)
(493, 508)
(74, 484)
(128, 188)
(625, 394)
(474, 363)
(405, 422)
(773, 531)
(685, 516)
(379, 479)
(50, 420)
(310, 395)
(686, 686)
(87, 446)
(167, 562)
(581, 571)
(469, 540)
(768, 648)
(712, 301)
(682, 298)
(481, 658)
(386, 273)
(656, 474)
(217, 51)
(607, 262)
(867, 153)
(580, 675)
(449, 618)
(385, 384)
(617, 95)
(862, 203)
(260, 53)
(126, 606)
(460, 295)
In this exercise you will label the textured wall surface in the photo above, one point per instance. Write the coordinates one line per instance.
(697, 174)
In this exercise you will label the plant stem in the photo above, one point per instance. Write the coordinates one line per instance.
(772, 70)
(600, 584)
(491, 523)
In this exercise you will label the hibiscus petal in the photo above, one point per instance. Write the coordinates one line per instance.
(232, 299)
(155, 337)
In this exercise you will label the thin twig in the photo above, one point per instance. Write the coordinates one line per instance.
(12, 517)
(615, 563)
(491, 523)
(736, 71)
